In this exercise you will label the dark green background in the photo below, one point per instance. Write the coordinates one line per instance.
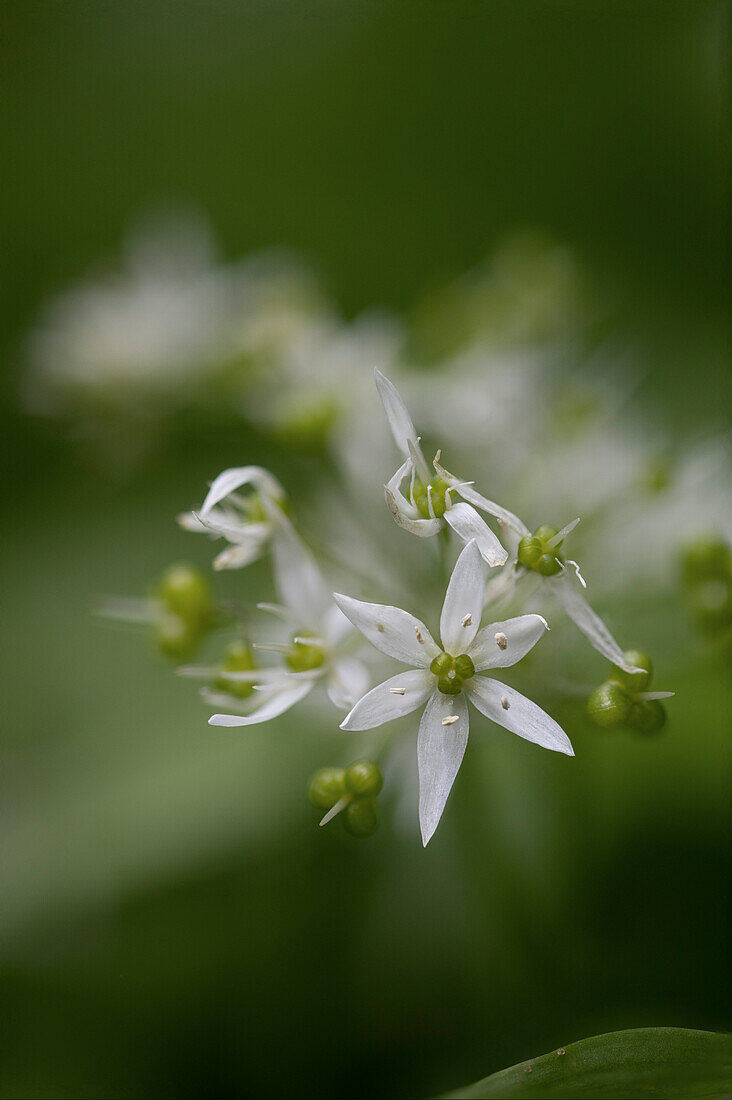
(173, 925)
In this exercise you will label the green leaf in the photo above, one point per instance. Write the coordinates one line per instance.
(660, 1063)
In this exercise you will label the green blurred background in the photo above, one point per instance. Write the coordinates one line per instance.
(172, 923)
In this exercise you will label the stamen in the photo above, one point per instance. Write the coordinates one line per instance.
(466, 619)
(451, 718)
(504, 702)
(420, 639)
(397, 691)
(430, 509)
(380, 627)
(501, 640)
(581, 579)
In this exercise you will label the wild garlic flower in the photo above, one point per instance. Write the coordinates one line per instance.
(430, 504)
(316, 651)
(248, 520)
(444, 677)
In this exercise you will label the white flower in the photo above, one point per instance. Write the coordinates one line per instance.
(248, 521)
(444, 678)
(314, 652)
(429, 505)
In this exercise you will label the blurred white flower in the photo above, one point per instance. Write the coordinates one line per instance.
(445, 678)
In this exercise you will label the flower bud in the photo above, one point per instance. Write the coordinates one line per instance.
(635, 681)
(185, 591)
(238, 658)
(646, 716)
(176, 638)
(530, 550)
(326, 787)
(364, 779)
(608, 706)
(360, 818)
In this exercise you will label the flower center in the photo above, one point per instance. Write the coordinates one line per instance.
(452, 672)
(431, 496)
(238, 658)
(535, 554)
(304, 657)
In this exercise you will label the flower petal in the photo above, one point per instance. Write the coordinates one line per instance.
(440, 751)
(277, 702)
(403, 511)
(336, 627)
(500, 645)
(520, 716)
(347, 682)
(299, 581)
(391, 630)
(468, 493)
(584, 618)
(394, 698)
(467, 524)
(230, 480)
(463, 606)
(400, 421)
(234, 557)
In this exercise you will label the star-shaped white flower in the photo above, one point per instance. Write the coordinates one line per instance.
(247, 520)
(314, 652)
(445, 678)
(431, 501)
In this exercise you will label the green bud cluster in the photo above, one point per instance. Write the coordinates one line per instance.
(452, 672)
(238, 658)
(533, 552)
(302, 656)
(357, 785)
(707, 574)
(615, 702)
(188, 611)
(437, 495)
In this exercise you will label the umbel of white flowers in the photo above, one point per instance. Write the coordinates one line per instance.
(430, 505)
(445, 677)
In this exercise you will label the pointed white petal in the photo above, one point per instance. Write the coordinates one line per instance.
(463, 606)
(500, 588)
(394, 698)
(189, 521)
(500, 645)
(649, 695)
(299, 581)
(584, 618)
(230, 480)
(561, 535)
(237, 531)
(440, 751)
(235, 557)
(276, 703)
(468, 493)
(403, 511)
(336, 627)
(335, 810)
(400, 421)
(504, 705)
(347, 682)
(467, 524)
(391, 630)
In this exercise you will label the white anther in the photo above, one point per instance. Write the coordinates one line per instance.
(501, 640)
(397, 691)
(504, 702)
(420, 639)
(466, 619)
(450, 719)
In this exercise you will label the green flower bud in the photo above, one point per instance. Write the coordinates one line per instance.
(185, 591)
(608, 706)
(545, 533)
(176, 638)
(647, 716)
(450, 685)
(304, 657)
(464, 667)
(360, 818)
(707, 558)
(549, 564)
(238, 658)
(364, 779)
(530, 550)
(326, 787)
(635, 681)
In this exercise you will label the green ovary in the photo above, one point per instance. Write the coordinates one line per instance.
(533, 553)
(421, 497)
(304, 657)
(452, 672)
